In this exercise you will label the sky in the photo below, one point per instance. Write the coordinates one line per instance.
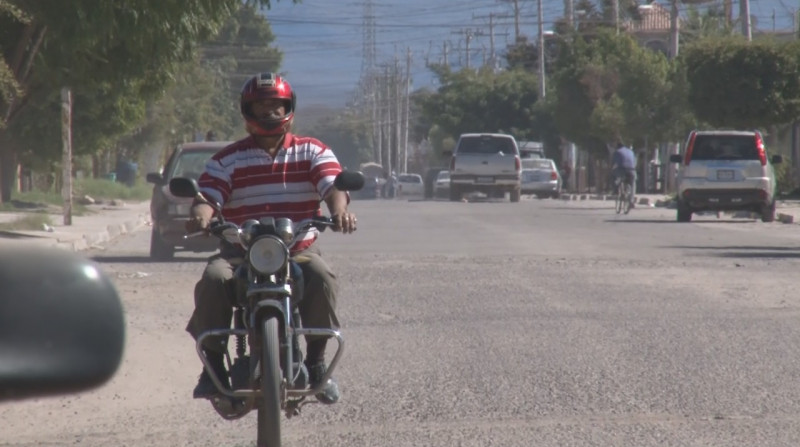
(322, 40)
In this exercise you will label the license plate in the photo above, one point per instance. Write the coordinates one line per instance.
(484, 180)
(725, 174)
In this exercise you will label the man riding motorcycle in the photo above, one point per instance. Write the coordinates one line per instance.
(271, 173)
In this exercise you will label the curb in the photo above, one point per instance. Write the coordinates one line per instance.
(78, 238)
(111, 232)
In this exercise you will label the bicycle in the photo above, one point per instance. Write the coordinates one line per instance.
(623, 200)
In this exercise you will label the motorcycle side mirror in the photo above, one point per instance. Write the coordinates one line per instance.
(183, 187)
(349, 181)
(187, 187)
(61, 324)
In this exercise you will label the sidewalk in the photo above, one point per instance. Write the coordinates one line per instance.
(101, 224)
(786, 211)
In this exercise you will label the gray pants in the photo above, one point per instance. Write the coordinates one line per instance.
(213, 296)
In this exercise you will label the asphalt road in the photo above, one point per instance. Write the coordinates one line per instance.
(488, 324)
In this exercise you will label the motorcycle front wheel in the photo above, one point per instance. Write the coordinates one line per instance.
(269, 411)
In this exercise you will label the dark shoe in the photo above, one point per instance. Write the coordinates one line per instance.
(205, 388)
(330, 392)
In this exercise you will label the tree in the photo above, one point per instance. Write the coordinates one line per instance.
(484, 101)
(243, 48)
(129, 50)
(739, 84)
(348, 134)
(703, 24)
(610, 88)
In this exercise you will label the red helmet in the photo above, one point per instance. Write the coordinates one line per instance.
(267, 86)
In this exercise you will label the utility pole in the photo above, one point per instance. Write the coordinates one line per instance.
(377, 126)
(468, 35)
(569, 13)
(444, 52)
(407, 106)
(516, 17)
(541, 50)
(492, 51)
(66, 156)
(672, 148)
(397, 113)
(386, 128)
(744, 15)
(728, 11)
(674, 32)
(615, 12)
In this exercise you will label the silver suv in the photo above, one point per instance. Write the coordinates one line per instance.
(726, 170)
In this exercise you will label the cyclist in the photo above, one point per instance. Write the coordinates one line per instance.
(623, 167)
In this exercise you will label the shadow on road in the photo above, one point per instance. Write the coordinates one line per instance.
(101, 259)
(572, 208)
(622, 219)
(15, 235)
(745, 251)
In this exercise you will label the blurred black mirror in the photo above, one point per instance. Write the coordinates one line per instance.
(777, 159)
(61, 324)
(349, 181)
(675, 158)
(155, 178)
(183, 187)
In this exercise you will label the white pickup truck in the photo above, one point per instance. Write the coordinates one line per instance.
(485, 162)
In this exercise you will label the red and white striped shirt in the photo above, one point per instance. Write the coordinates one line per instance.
(251, 184)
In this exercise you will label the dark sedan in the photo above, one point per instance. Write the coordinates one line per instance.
(169, 213)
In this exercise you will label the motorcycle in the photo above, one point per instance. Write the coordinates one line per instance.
(267, 373)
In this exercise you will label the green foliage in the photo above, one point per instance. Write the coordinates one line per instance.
(115, 57)
(347, 134)
(440, 141)
(745, 85)
(484, 101)
(243, 48)
(784, 178)
(704, 24)
(28, 222)
(610, 87)
(107, 190)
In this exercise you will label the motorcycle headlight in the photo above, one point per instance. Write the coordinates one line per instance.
(268, 254)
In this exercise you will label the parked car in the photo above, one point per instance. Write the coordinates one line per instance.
(373, 187)
(410, 185)
(441, 188)
(430, 180)
(726, 170)
(169, 213)
(541, 179)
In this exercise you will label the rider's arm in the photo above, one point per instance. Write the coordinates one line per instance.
(337, 202)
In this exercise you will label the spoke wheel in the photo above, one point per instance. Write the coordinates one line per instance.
(626, 198)
(269, 410)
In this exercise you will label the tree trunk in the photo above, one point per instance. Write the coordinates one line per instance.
(8, 167)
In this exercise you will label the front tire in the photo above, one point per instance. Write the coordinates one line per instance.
(160, 250)
(269, 410)
(515, 195)
(768, 213)
(626, 199)
(455, 193)
(684, 213)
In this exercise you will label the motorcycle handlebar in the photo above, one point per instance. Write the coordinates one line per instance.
(217, 227)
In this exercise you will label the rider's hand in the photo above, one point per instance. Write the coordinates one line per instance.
(199, 218)
(345, 222)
